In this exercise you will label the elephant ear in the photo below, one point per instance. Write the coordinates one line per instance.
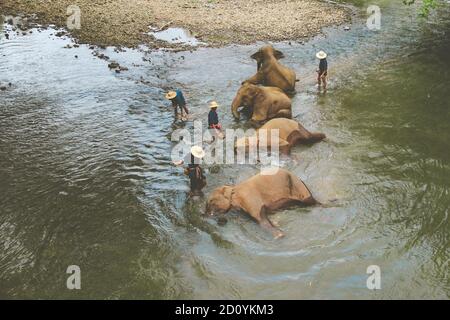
(278, 54)
(227, 191)
(257, 55)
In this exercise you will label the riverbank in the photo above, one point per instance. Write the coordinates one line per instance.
(215, 22)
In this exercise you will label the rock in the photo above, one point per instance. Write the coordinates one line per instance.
(76, 57)
(113, 65)
(221, 221)
(2, 88)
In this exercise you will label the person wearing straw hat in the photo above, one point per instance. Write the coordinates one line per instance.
(323, 69)
(213, 119)
(178, 101)
(193, 170)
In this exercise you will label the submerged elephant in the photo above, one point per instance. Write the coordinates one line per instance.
(260, 195)
(290, 134)
(270, 72)
(263, 103)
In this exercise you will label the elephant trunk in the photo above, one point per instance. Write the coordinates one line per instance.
(235, 106)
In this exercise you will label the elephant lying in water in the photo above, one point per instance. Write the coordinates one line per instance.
(270, 72)
(260, 195)
(264, 103)
(290, 134)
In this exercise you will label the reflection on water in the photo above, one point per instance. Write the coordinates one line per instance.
(87, 177)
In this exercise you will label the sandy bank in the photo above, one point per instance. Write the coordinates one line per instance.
(216, 22)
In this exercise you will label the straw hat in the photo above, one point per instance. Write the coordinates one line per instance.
(170, 95)
(198, 152)
(321, 55)
(213, 104)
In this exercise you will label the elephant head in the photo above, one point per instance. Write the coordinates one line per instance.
(220, 201)
(266, 53)
(244, 97)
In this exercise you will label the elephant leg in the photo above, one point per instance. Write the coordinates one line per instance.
(259, 212)
(300, 192)
(309, 137)
(268, 225)
(316, 137)
(298, 137)
(258, 78)
(284, 146)
(284, 113)
(259, 116)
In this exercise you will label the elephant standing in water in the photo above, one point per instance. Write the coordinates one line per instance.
(290, 133)
(263, 103)
(260, 195)
(270, 72)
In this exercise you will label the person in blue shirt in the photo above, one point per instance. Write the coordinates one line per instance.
(178, 101)
(213, 119)
(323, 69)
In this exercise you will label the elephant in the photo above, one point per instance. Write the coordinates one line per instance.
(263, 103)
(259, 196)
(270, 72)
(290, 134)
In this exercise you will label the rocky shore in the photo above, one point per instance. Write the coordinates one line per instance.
(215, 22)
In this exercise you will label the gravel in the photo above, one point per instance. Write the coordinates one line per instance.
(215, 22)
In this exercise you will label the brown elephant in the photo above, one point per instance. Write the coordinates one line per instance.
(290, 134)
(270, 72)
(260, 195)
(263, 103)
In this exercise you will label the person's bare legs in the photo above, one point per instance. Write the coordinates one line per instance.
(185, 110)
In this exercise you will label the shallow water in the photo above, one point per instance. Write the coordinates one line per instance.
(86, 174)
(176, 35)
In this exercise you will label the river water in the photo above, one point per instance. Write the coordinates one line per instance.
(86, 174)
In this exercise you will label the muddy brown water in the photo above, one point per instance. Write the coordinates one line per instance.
(86, 175)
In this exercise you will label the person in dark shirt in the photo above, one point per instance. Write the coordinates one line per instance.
(193, 170)
(213, 119)
(323, 69)
(178, 101)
